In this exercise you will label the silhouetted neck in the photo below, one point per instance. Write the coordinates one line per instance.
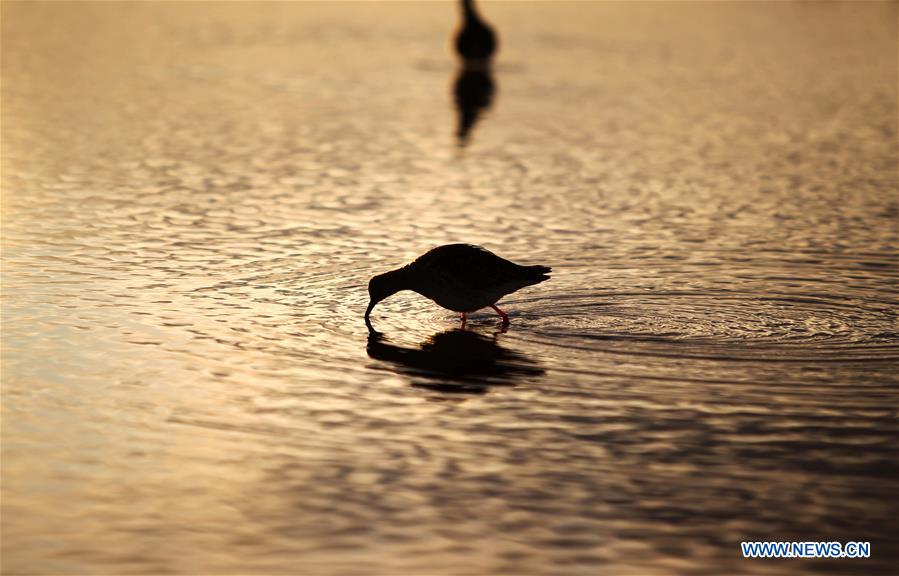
(469, 10)
(398, 279)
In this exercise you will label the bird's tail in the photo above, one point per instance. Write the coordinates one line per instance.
(538, 273)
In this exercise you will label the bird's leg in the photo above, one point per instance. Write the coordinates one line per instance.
(463, 319)
(501, 314)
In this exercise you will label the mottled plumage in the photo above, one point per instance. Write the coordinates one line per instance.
(459, 277)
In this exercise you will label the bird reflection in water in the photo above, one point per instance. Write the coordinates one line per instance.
(456, 360)
(474, 87)
(473, 92)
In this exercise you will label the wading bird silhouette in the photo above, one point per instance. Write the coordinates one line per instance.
(459, 277)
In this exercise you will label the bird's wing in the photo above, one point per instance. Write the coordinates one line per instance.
(469, 266)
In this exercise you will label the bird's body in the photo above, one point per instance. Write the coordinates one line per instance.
(476, 41)
(458, 277)
(465, 278)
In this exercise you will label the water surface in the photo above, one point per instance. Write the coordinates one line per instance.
(195, 195)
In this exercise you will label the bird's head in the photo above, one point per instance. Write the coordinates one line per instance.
(382, 286)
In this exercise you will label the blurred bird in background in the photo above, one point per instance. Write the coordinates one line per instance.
(476, 43)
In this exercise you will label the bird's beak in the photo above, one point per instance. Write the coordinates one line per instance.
(371, 329)
(372, 333)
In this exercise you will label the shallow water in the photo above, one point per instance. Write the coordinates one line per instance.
(195, 195)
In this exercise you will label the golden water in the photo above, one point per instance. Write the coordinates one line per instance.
(195, 194)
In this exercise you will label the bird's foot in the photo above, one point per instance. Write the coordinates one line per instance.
(501, 314)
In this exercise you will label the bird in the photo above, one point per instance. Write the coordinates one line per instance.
(475, 41)
(459, 277)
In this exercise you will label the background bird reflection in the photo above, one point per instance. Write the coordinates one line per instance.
(473, 92)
